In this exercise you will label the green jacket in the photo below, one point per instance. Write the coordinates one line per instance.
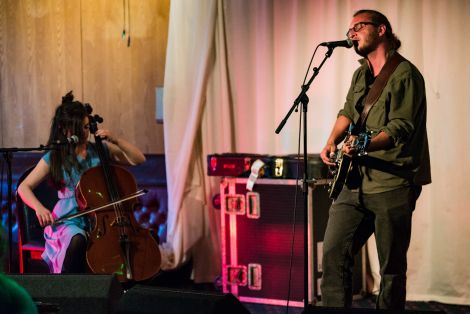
(400, 112)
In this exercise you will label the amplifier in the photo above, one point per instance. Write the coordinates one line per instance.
(275, 167)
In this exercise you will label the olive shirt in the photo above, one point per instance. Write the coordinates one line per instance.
(400, 111)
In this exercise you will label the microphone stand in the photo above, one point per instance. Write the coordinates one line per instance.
(7, 155)
(303, 99)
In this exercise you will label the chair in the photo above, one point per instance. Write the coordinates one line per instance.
(30, 236)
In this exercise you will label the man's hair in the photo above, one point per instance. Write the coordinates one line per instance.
(380, 19)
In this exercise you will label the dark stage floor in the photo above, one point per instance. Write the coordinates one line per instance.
(178, 280)
(368, 304)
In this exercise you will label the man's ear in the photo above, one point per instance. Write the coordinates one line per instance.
(382, 29)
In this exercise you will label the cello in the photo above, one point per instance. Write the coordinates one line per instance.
(117, 244)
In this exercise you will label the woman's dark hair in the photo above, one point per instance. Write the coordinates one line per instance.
(380, 19)
(67, 121)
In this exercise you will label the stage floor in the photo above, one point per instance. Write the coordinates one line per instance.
(364, 303)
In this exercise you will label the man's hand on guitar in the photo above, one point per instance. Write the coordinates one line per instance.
(328, 154)
(350, 146)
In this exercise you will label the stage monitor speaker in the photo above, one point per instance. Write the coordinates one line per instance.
(72, 293)
(145, 299)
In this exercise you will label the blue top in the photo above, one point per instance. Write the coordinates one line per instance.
(58, 237)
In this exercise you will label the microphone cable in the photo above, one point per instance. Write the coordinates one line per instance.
(294, 219)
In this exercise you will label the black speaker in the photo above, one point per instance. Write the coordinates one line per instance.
(87, 293)
(146, 299)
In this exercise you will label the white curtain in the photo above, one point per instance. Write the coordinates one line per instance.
(233, 69)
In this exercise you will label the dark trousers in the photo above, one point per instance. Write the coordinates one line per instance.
(353, 217)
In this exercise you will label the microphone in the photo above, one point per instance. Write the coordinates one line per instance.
(69, 140)
(348, 43)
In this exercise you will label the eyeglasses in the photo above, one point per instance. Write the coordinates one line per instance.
(357, 27)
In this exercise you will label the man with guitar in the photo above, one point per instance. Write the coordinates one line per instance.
(386, 106)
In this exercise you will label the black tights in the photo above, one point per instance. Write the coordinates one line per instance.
(75, 257)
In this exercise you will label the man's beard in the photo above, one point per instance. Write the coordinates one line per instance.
(368, 46)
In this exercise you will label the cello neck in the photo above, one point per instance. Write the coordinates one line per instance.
(104, 158)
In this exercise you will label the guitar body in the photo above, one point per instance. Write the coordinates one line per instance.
(344, 162)
(340, 175)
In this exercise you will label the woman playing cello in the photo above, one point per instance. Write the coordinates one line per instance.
(66, 243)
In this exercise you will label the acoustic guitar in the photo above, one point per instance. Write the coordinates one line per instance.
(344, 162)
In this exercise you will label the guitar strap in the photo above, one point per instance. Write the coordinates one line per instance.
(378, 86)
